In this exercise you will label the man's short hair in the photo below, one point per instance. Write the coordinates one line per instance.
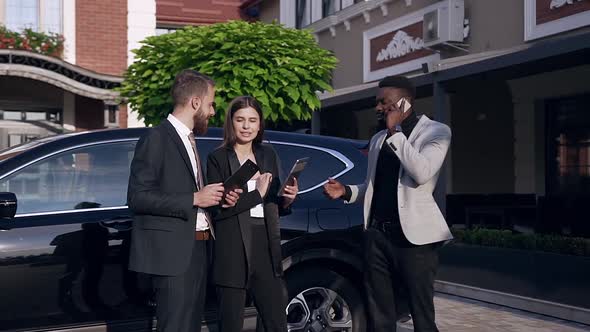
(189, 83)
(399, 82)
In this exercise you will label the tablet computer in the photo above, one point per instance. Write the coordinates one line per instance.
(296, 170)
(241, 176)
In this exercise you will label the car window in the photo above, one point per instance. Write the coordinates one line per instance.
(205, 146)
(320, 166)
(88, 177)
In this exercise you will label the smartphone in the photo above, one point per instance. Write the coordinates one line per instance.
(406, 104)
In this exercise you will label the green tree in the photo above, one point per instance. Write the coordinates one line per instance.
(281, 67)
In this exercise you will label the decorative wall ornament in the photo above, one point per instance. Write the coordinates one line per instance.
(55, 65)
(347, 25)
(400, 45)
(559, 3)
(544, 18)
(367, 17)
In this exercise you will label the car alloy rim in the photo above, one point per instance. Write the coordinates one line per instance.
(318, 309)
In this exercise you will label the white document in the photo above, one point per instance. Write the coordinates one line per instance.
(258, 210)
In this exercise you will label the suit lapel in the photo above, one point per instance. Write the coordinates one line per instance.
(419, 126)
(180, 146)
(232, 160)
(259, 155)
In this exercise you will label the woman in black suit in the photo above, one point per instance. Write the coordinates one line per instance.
(247, 245)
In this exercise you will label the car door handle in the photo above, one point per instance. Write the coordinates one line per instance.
(119, 223)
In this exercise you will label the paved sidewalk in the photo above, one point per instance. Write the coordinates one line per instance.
(457, 314)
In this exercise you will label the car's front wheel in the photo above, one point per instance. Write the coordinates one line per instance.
(321, 300)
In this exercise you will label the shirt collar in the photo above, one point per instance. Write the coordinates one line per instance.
(180, 127)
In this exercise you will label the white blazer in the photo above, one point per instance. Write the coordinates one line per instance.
(421, 156)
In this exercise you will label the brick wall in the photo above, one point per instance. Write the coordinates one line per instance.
(122, 116)
(190, 12)
(101, 35)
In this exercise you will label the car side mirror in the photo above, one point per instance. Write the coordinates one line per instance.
(7, 205)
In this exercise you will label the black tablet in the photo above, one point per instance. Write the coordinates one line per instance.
(295, 172)
(241, 176)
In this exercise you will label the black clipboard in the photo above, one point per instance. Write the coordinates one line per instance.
(296, 170)
(241, 176)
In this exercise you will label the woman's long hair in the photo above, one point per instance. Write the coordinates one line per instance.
(229, 134)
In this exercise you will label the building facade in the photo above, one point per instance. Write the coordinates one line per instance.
(42, 95)
(509, 77)
(511, 80)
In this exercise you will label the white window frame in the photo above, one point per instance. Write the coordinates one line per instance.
(533, 31)
(40, 15)
(288, 11)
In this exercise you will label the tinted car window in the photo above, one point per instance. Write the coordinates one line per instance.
(88, 177)
(320, 166)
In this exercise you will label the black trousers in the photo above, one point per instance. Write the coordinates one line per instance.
(267, 291)
(392, 264)
(180, 299)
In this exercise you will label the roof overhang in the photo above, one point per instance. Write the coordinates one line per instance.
(61, 74)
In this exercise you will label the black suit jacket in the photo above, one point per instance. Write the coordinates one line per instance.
(160, 195)
(230, 265)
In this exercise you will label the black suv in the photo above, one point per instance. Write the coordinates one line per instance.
(64, 255)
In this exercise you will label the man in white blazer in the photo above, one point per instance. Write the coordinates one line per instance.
(403, 224)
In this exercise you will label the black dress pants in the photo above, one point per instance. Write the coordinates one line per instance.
(391, 264)
(180, 299)
(267, 291)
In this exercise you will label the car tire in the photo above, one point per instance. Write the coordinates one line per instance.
(323, 300)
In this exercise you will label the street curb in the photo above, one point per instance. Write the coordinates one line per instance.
(553, 309)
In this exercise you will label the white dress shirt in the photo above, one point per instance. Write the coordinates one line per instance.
(183, 132)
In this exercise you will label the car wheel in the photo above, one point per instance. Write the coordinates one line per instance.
(323, 300)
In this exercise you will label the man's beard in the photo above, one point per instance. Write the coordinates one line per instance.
(201, 122)
(381, 123)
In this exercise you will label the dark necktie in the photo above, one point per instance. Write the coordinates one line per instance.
(199, 175)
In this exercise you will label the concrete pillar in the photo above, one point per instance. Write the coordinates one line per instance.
(69, 111)
(141, 22)
(442, 114)
(315, 122)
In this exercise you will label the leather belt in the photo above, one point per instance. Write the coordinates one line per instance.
(387, 227)
(202, 235)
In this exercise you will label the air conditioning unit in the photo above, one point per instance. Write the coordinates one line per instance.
(444, 25)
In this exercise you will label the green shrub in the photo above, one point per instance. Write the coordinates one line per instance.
(507, 239)
(281, 67)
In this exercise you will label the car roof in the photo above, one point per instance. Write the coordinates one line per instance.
(63, 141)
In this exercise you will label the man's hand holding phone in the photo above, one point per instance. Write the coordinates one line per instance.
(396, 114)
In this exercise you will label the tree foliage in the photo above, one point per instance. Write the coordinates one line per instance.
(281, 67)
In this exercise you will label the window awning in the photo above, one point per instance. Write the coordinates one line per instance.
(61, 74)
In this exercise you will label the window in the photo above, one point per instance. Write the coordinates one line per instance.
(329, 7)
(88, 177)
(302, 13)
(569, 146)
(49, 115)
(16, 139)
(111, 118)
(163, 31)
(320, 167)
(38, 15)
